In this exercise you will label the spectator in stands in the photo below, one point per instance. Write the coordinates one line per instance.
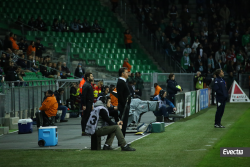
(23, 45)
(103, 94)
(126, 64)
(185, 61)
(158, 34)
(86, 26)
(139, 84)
(80, 25)
(96, 27)
(131, 78)
(74, 26)
(201, 68)
(47, 110)
(192, 55)
(218, 65)
(61, 106)
(56, 26)
(230, 67)
(230, 56)
(40, 24)
(220, 55)
(32, 24)
(80, 71)
(211, 64)
(114, 5)
(187, 50)
(173, 14)
(195, 44)
(7, 44)
(65, 68)
(63, 26)
(245, 38)
(3, 60)
(182, 43)
(223, 46)
(240, 57)
(200, 13)
(157, 89)
(185, 16)
(21, 62)
(31, 65)
(39, 48)
(225, 13)
(198, 81)
(53, 69)
(9, 68)
(127, 39)
(199, 50)
(230, 80)
(14, 44)
(43, 69)
(163, 109)
(31, 49)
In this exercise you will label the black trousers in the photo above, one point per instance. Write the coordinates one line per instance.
(171, 98)
(86, 115)
(43, 120)
(125, 118)
(220, 111)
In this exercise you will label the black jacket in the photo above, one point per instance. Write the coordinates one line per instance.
(58, 98)
(78, 74)
(171, 87)
(123, 92)
(220, 89)
(21, 62)
(105, 117)
(87, 96)
(23, 46)
(39, 49)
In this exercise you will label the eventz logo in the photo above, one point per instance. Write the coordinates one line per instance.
(232, 152)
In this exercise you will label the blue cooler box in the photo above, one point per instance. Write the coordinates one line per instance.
(25, 126)
(47, 136)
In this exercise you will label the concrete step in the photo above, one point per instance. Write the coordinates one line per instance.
(12, 122)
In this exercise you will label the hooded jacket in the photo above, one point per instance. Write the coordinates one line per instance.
(49, 106)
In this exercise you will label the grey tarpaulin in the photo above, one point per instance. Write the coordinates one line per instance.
(138, 107)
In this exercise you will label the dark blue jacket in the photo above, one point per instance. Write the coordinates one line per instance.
(171, 87)
(220, 89)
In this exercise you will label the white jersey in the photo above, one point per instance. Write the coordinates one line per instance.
(94, 122)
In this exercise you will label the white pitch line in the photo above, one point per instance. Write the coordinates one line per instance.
(207, 145)
(143, 136)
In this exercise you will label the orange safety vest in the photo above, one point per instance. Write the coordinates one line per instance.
(114, 99)
(81, 85)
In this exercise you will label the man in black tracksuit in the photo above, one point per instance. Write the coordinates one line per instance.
(221, 97)
(171, 87)
(87, 99)
(123, 92)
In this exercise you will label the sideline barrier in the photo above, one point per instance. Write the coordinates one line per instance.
(189, 103)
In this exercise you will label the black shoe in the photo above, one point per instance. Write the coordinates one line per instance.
(222, 126)
(63, 120)
(127, 148)
(105, 147)
(216, 126)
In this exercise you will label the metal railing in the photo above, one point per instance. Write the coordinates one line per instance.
(140, 31)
